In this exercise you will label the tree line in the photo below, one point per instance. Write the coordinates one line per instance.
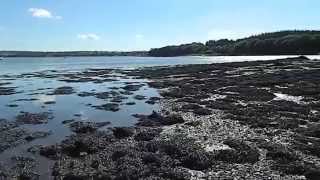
(275, 43)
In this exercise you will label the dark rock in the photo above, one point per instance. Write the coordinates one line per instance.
(109, 107)
(118, 154)
(95, 164)
(86, 94)
(49, 152)
(197, 160)
(5, 91)
(114, 88)
(194, 123)
(76, 147)
(34, 149)
(155, 119)
(12, 105)
(118, 99)
(173, 93)
(241, 152)
(126, 92)
(65, 90)
(68, 121)
(73, 177)
(86, 127)
(139, 97)
(132, 87)
(303, 58)
(187, 152)
(312, 131)
(31, 99)
(190, 106)
(130, 103)
(172, 119)
(313, 174)
(37, 135)
(308, 145)
(202, 111)
(123, 132)
(49, 102)
(147, 134)
(281, 154)
(106, 95)
(33, 118)
(291, 167)
(153, 100)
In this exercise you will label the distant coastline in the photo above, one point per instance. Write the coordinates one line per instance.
(70, 53)
(274, 43)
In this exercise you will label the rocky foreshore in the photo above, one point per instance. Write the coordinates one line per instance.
(244, 120)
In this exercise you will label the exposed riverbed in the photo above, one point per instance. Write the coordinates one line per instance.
(249, 120)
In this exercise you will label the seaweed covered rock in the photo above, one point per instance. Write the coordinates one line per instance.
(187, 152)
(50, 152)
(312, 131)
(308, 145)
(87, 127)
(280, 153)
(108, 107)
(288, 161)
(240, 152)
(202, 111)
(147, 134)
(77, 148)
(132, 87)
(37, 135)
(65, 90)
(156, 119)
(33, 118)
(173, 119)
(123, 132)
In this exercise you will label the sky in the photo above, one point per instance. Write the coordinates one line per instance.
(68, 25)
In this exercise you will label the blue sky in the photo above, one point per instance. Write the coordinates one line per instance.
(60, 25)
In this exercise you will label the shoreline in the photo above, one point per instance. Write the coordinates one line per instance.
(147, 56)
(252, 120)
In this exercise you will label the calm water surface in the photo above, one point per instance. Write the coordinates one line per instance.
(20, 65)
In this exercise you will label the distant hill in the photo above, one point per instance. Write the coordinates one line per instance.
(275, 43)
(70, 53)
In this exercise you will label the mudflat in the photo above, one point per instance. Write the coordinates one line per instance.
(243, 120)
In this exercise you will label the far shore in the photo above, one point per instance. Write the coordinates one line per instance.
(147, 56)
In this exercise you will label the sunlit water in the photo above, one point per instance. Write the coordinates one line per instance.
(20, 65)
(67, 106)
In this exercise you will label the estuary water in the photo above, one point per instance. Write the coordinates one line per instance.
(25, 65)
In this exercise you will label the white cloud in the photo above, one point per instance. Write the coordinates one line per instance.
(89, 36)
(42, 13)
(139, 36)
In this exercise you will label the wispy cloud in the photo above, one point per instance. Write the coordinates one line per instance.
(89, 36)
(139, 36)
(42, 13)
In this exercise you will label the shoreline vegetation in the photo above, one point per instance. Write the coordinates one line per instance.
(240, 120)
(274, 43)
